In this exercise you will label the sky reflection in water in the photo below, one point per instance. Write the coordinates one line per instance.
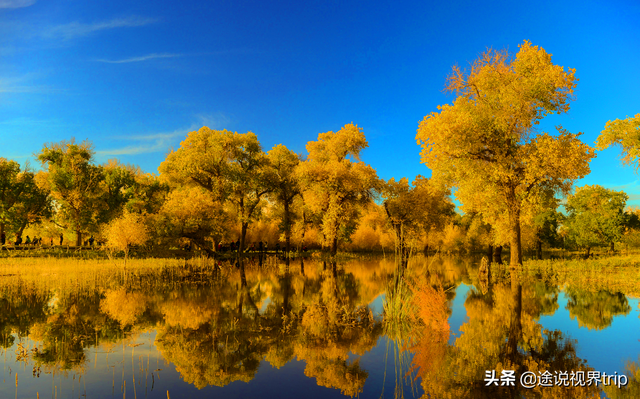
(187, 338)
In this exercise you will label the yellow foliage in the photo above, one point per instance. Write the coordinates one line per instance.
(124, 306)
(483, 144)
(127, 230)
(453, 238)
(333, 185)
(186, 314)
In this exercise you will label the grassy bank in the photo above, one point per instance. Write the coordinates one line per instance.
(615, 273)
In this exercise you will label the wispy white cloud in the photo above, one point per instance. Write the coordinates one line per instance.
(141, 58)
(73, 30)
(149, 143)
(161, 142)
(22, 85)
(16, 3)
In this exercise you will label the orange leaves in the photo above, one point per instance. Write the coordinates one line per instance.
(432, 315)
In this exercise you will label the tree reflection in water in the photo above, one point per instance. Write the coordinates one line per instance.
(503, 333)
(218, 323)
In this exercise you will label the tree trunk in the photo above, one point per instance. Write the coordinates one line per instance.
(515, 322)
(334, 246)
(612, 249)
(242, 237)
(515, 241)
(497, 254)
(78, 238)
(243, 276)
(287, 227)
(539, 249)
(490, 254)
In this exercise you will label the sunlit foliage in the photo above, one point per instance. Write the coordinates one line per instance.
(335, 181)
(124, 232)
(626, 134)
(284, 181)
(231, 167)
(192, 213)
(22, 201)
(74, 183)
(483, 143)
(413, 210)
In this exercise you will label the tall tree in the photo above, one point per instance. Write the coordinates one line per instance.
(230, 166)
(625, 133)
(483, 143)
(596, 216)
(285, 185)
(74, 183)
(334, 179)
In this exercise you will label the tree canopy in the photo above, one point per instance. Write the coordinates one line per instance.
(484, 144)
(596, 216)
(335, 181)
(231, 166)
(74, 183)
(625, 133)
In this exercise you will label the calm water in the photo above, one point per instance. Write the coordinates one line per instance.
(307, 329)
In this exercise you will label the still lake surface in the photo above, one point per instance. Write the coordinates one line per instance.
(307, 329)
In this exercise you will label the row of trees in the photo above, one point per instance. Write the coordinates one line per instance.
(120, 203)
(214, 181)
(485, 146)
(593, 217)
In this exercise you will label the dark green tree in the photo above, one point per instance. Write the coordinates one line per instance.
(75, 184)
(595, 216)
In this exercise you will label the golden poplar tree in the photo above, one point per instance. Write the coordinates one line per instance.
(335, 181)
(485, 143)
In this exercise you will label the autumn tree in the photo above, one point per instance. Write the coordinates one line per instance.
(230, 166)
(413, 209)
(126, 231)
(22, 201)
(625, 133)
(484, 144)
(11, 186)
(596, 216)
(74, 183)
(285, 185)
(334, 179)
(117, 189)
(126, 188)
(191, 213)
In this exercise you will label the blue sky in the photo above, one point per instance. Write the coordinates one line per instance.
(134, 77)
